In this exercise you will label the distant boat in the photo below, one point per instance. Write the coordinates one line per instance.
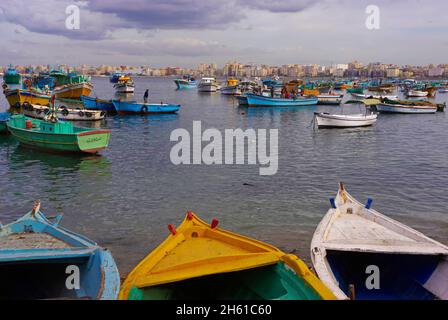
(17, 97)
(366, 96)
(208, 85)
(115, 77)
(73, 91)
(98, 104)
(11, 76)
(354, 241)
(444, 90)
(63, 113)
(359, 90)
(200, 261)
(186, 82)
(402, 108)
(37, 256)
(134, 107)
(231, 88)
(57, 136)
(260, 101)
(330, 99)
(417, 93)
(326, 120)
(4, 118)
(124, 85)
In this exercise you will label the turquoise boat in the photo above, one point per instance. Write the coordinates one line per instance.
(41, 260)
(186, 82)
(98, 104)
(133, 107)
(11, 76)
(4, 118)
(261, 101)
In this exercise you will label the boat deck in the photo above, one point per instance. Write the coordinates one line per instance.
(25, 241)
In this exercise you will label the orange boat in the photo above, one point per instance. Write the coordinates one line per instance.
(73, 91)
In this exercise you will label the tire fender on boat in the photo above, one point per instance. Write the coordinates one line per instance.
(88, 114)
(81, 114)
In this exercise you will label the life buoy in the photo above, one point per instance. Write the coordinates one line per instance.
(81, 114)
(38, 111)
(103, 113)
(27, 83)
(64, 111)
(144, 109)
(88, 114)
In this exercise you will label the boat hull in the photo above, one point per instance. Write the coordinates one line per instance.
(329, 99)
(260, 101)
(124, 88)
(341, 121)
(87, 141)
(184, 84)
(17, 98)
(65, 114)
(4, 118)
(231, 91)
(73, 91)
(98, 104)
(242, 100)
(130, 107)
(388, 108)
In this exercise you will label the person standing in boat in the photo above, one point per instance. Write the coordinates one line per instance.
(145, 96)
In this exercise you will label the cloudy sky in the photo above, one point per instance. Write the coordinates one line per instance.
(187, 32)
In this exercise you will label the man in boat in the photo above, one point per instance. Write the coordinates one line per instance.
(145, 96)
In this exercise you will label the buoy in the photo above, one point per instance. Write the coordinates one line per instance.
(215, 223)
(172, 229)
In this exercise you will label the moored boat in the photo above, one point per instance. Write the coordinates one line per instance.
(326, 120)
(354, 241)
(73, 91)
(98, 104)
(260, 101)
(4, 118)
(187, 82)
(17, 97)
(202, 261)
(242, 100)
(417, 94)
(63, 113)
(57, 136)
(11, 76)
(208, 85)
(406, 108)
(231, 88)
(367, 96)
(124, 85)
(330, 99)
(134, 107)
(37, 258)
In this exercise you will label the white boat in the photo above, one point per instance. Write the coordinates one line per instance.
(63, 113)
(417, 94)
(400, 108)
(326, 120)
(231, 88)
(366, 96)
(445, 90)
(359, 253)
(124, 85)
(330, 99)
(208, 85)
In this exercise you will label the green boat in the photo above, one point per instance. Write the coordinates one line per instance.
(11, 76)
(4, 118)
(57, 136)
(359, 90)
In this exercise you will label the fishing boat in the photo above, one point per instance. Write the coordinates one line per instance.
(390, 107)
(382, 88)
(231, 88)
(260, 101)
(134, 107)
(443, 90)
(201, 261)
(367, 96)
(38, 256)
(73, 91)
(17, 97)
(242, 100)
(359, 90)
(353, 239)
(208, 85)
(115, 77)
(417, 94)
(11, 76)
(4, 118)
(124, 85)
(330, 99)
(98, 104)
(187, 82)
(326, 120)
(56, 136)
(63, 113)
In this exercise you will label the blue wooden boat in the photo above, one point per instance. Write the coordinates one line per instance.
(261, 101)
(242, 100)
(359, 253)
(4, 118)
(41, 260)
(134, 107)
(98, 104)
(186, 82)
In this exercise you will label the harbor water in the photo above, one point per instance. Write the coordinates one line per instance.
(125, 198)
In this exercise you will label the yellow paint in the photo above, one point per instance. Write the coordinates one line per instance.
(197, 250)
(310, 92)
(232, 82)
(17, 97)
(74, 93)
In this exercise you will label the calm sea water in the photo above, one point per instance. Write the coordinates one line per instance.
(125, 198)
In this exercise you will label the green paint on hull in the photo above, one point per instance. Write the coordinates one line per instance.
(12, 78)
(58, 137)
(275, 282)
(3, 127)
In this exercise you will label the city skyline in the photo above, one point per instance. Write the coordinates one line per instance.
(188, 32)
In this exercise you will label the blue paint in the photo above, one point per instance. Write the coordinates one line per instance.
(369, 203)
(133, 107)
(260, 101)
(333, 203)
(98, 272)
(98, 104)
